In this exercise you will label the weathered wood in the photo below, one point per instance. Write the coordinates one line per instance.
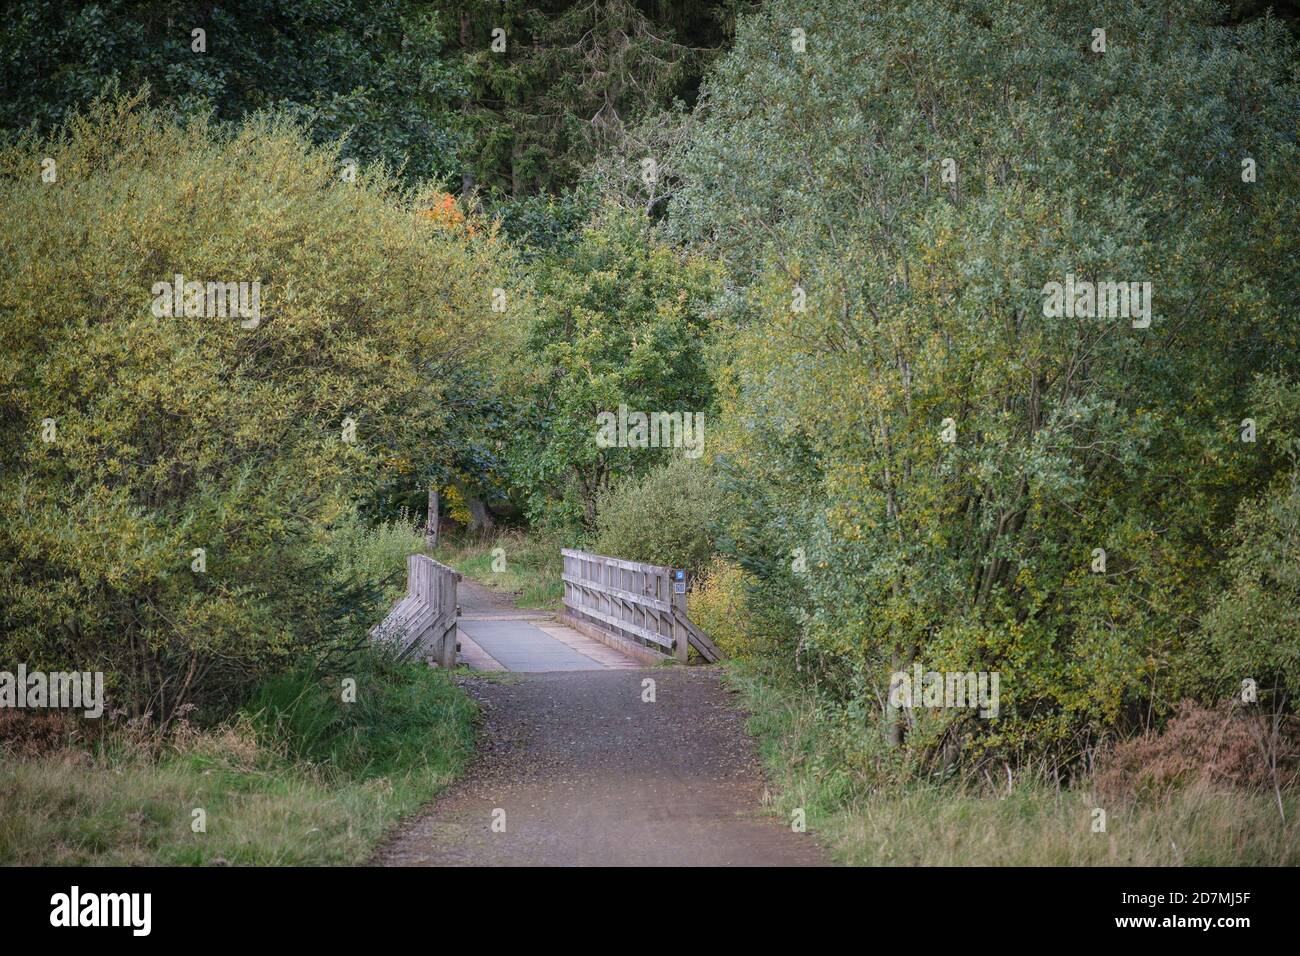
(423, 622)
(632, 601)
(680, 639)
(702, 642)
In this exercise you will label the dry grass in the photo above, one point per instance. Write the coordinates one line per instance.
(867, 822)
(122, 800)
(1035, 827)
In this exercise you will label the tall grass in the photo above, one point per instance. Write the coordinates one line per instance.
(376, 553)
(864, 819)
(528, 566)
(297, 778)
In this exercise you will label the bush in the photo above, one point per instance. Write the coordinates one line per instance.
(26, 733)
(664, 518)
(718, 604)
(1252, 632)
(1222, 747)
(130, 439)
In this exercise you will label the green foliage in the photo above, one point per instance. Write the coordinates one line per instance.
(526, 566)
(173, 433)
(664, 517)
(619, 319)
(370, 70)
(823, 170)
(573, 80)
(1253, 629)
(544, 225)
(400, 709)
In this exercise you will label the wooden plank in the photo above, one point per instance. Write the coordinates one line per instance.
(429, 642)
(621, 625)
(616, 562)
(701, 642)
(681, 642)
(425, 616)
(631, 597)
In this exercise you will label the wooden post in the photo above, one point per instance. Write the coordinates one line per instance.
(431, 527)
(447, 648)
(449, 601)
(680, 642)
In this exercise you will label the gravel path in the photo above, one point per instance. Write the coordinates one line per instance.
(588, 774)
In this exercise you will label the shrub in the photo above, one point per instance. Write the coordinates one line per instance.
(718, 604)
(168, 434)
(1200, 746)
(25, 734)
(1252, 631)
(664, 518)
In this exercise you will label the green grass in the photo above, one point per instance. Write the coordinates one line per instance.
(810, 764)
(298, 778)
(532, 565)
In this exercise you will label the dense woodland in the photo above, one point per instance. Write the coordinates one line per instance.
(837, 256)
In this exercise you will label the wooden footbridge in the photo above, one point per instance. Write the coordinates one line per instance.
(617, 613)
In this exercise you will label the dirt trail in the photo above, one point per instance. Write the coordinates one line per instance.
(478, 599)
(588, 774)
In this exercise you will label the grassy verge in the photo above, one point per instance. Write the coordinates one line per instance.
(298, 778)
(527, 565)
(1032, 825)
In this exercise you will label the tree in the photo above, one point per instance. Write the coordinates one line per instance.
(568, 80)
(372, 71)
(980, 482)
(619, 320)
(174, 481)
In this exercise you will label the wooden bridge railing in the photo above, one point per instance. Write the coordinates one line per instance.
(641, 603)
(423, 622)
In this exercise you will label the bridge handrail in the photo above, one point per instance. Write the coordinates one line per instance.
(634, 601)
(423, 622)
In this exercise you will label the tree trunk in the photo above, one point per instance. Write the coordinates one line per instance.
(481, 518)
(466, 38)
(431, 526)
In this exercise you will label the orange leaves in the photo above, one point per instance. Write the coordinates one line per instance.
(446, 214)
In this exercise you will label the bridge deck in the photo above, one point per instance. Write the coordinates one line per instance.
(534, 647)
(496, 636)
